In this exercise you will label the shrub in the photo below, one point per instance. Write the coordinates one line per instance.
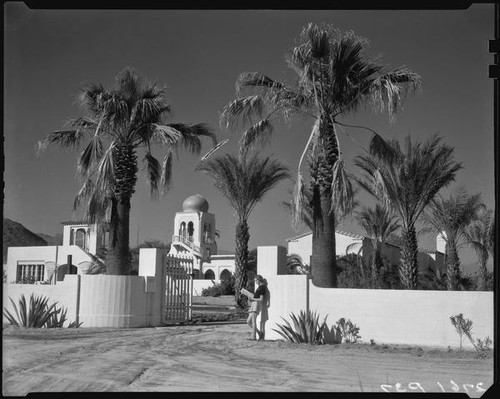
(348, 330)
(56, 321)
(26, 280)
(36, 315)
(463, 327)
(306, 328)
(225, 287)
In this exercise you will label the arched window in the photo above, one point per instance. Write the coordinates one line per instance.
(190, 231)
(72, 237)
(225, 275)
(182, 229)
(209, 275)
(81, 238)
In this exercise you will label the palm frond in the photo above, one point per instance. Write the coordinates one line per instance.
(166, 172)
(342, 191)
(82, 123)
(257, 134)
(389, 90)
(84, 193)
(64, 138)
(256, 79)
(191, 135)
(241, 111)
(105, 172)
(153, 173)
(90, 155)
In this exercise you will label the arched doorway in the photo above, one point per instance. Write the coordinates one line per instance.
(65, 269)
(209, 275)
(225, 275)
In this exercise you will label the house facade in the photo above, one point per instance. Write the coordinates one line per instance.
(350, 243)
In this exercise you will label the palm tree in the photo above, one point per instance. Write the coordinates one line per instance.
(296, 265)
(378, 223)
(243, 181)
(451, 216)
(480, 234)
(334, 77)
(118, 123)
(407, 180)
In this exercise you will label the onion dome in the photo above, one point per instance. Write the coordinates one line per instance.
(195, 203)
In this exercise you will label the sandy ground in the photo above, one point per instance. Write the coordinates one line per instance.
(218, 357)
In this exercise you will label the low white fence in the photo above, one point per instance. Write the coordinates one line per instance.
(386, 316)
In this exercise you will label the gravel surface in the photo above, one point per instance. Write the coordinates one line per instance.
(218, 357)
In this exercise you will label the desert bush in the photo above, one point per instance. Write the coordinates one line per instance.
(348, 331)
(306, 328)
(464, 328)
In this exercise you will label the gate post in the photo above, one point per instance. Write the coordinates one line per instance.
(151, 265)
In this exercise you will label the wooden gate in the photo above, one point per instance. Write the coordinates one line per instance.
(178, 289)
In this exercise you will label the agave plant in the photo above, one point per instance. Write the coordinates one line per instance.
(36, 315)
(57, 318)
(306, 328)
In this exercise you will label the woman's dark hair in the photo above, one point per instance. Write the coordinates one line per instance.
(261, 279)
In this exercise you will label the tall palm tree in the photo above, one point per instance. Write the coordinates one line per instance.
(480, 234)
(243, 181)
(378, 223)
(407, 180)
(334, 77)
(452, 216)
(117, 124)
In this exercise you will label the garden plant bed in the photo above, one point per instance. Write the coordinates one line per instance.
(218, 357)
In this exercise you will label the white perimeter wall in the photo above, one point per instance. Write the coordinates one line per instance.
(386, 316)
(65, 293)
(104, 301)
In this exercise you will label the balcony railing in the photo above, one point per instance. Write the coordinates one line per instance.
(187, 242)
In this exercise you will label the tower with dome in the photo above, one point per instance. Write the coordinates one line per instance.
(194, 234)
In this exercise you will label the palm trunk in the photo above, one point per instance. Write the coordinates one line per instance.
(408, 271)
(483, 272)
(376, 264)
(124, 179)
(118, 258)
(241, 261)
(323, 259)
(452, 267)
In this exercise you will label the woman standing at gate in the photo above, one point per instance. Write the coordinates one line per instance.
(256, 304)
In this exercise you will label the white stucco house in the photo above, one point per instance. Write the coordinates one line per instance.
(347, 242)
(194, 236)
(72, 257)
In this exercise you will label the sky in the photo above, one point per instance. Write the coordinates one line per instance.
(198, 55)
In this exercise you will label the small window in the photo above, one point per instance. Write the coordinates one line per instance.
(30, 272)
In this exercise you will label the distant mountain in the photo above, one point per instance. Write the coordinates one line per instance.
(16, 235)
(52, 240)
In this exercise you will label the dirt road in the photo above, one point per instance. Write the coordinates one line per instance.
(219, 358)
